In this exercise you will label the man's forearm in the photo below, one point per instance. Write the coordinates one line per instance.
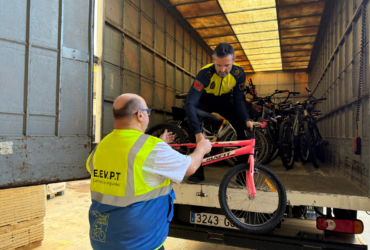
(199, 137)
(191, 114)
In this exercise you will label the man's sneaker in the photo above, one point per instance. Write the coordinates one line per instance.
(195, 179)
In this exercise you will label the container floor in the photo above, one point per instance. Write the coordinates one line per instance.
(302, 177)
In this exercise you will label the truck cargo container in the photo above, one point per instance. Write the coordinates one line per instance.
(64, 62)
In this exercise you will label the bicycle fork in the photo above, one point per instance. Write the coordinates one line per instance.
(250, 176)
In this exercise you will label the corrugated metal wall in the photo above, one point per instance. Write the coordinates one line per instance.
(267, 82)
(45, 90)
(148, 51)
(335, 75)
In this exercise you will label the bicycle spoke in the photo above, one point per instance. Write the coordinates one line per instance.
(265, 205)
(255, 211)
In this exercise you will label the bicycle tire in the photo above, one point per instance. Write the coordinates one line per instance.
(310, 143)
(229, 136)
(279, 213)
(260, 152)
(286, 145)
(273, 152)
(273, 136)
(276, 154)
(319, 147)
(302, 149)
(263, 151)
(180, 137)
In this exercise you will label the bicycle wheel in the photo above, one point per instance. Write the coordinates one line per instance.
(261, 147)
(310, 136)
(320, 152)
(253, 215)
(180, 137)
(273, 151)
(273, 133)
(275, 154)
(229, 136)
(286, 145)
(184, 128)
(302, 149)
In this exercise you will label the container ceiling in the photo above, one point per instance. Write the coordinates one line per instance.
(266, 34)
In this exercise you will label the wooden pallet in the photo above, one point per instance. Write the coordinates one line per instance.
(22, 212)
(22, 235)
(30, 246)
(21, 204)
(52, 195)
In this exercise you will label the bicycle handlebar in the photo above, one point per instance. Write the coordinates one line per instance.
(281, 91)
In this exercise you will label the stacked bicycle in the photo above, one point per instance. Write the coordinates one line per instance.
(298, 134)
(255, 108)
(291, 130)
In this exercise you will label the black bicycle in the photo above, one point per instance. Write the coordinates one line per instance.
(299, 135)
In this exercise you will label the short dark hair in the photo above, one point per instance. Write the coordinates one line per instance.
(224, 49)
(128, 110)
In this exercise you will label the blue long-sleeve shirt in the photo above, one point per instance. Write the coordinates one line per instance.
(210, 89)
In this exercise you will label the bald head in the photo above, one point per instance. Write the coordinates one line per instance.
(126, 105)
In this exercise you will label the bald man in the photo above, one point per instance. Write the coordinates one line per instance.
(131, 176)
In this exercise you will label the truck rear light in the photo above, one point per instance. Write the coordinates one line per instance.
(340, 225)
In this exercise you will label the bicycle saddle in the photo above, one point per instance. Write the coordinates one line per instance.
(205, 114)
(182, 96)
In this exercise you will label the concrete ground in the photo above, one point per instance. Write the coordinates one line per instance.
(67, 226)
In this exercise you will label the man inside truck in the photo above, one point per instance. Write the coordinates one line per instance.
(218, 88)
(131, 176)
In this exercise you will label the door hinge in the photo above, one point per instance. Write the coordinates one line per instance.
(201, 194)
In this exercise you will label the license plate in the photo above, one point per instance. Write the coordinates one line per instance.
(215, 220)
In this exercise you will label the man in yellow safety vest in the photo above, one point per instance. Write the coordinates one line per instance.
(131, 176)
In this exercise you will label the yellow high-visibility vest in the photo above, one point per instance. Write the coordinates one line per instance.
(116, 166)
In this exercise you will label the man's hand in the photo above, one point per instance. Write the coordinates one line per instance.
(205, 146)
(199, 137)
(250, 124)
(167, 137)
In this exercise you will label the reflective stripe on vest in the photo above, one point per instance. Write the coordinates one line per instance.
(126, 201)
(130, 197)
(130, 186)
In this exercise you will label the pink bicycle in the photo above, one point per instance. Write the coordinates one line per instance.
(251, 196)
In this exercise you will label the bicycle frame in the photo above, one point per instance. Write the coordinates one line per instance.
(246, 148)
(222, 130)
